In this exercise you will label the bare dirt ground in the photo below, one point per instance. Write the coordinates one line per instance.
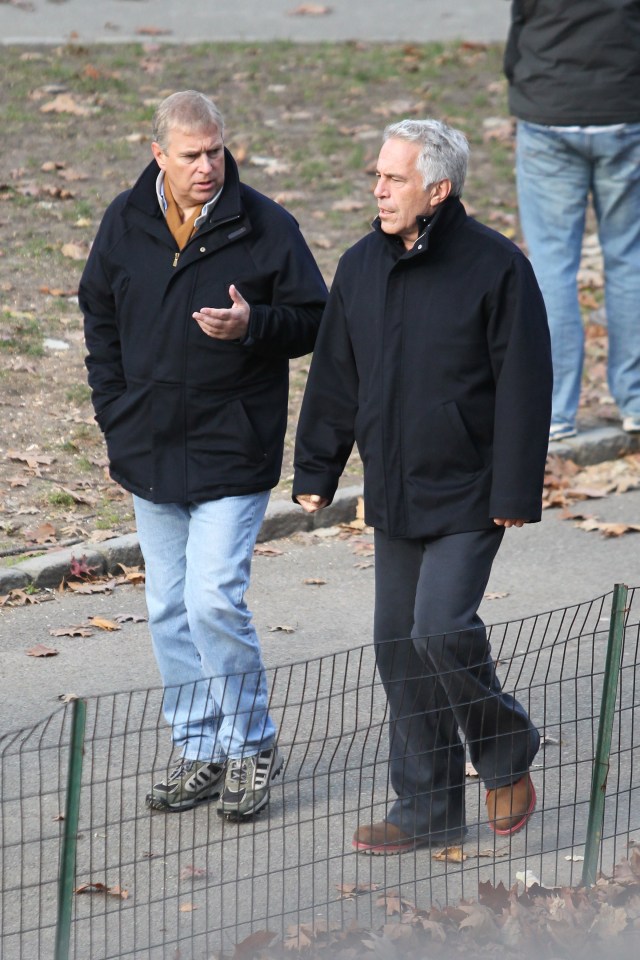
(304, 124)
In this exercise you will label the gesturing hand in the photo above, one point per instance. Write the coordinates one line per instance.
(225, 323)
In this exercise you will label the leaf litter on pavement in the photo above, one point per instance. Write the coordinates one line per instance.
(527, 920)
(567, 484)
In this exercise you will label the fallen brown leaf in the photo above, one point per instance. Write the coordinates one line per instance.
(71, 632)
(103, 624)
(362, 548)
(608, 529)
(45, 533)
(132, 574)
(18, 598)
(99, 536)
(32, 460)
(65, 103)
(105, 586)
(253, 944)
(59, 291)
(70, 175)
(297, 940)
(75, 251)
(309, 10)
(265, 550)
(115, 891)
(453, 854)
(190, 872)
(41, 651)
(350, 890)
(153, 32)
(394, 903)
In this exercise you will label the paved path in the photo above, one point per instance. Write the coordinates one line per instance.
(55, 21)
(541, 567)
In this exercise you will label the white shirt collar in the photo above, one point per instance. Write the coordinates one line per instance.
(204, 213)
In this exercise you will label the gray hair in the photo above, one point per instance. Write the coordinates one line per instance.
(444, 151)
(187, 110)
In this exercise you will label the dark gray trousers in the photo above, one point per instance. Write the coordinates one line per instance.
(435, 664)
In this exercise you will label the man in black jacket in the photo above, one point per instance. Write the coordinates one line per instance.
(433, 356)
(196, 293)
(574, 85)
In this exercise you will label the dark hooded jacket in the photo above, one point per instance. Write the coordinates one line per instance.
(188, 418)
(436, 362)
(574, 62)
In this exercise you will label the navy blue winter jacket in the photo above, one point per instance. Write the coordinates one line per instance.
(436, 362)
(188, 418)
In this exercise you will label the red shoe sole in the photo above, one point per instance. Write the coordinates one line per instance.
(521, 823)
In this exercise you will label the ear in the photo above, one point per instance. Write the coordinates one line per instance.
(439, 192)
(159, 154)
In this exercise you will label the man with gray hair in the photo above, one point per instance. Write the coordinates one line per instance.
(197, 291)
(433, 357)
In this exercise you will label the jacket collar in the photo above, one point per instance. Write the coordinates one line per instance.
(430, 229)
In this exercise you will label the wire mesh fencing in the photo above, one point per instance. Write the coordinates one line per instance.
(194, 885)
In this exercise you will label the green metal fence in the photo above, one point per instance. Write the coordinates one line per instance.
(87, 871)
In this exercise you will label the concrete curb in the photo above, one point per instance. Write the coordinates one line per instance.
(596, 446)
(283, 518)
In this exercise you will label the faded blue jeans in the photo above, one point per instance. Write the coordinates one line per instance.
(557, 170)
(198, 561)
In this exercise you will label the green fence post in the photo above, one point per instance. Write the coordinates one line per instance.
(66, 876)
(605, 729)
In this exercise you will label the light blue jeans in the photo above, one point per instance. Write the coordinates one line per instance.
(557, 171)
(198, 562)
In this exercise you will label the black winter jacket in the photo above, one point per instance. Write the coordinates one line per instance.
(436, 362)
(574, 62)
(188, 418)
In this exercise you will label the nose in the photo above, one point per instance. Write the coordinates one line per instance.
(205, 163)
(379, 189)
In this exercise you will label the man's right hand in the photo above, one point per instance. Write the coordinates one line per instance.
(311, 502)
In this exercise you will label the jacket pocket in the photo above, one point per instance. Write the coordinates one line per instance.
(440, 449)
(223, 445)
(462, 453)
(126, 427)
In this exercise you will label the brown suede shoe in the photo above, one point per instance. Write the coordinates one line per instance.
(510, 807)
(382, 838)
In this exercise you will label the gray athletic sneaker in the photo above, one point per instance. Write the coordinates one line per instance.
(247, 784)
(189, 783)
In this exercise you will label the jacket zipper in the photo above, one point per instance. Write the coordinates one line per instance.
(176, 255)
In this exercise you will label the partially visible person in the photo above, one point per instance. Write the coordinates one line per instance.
(433, 356)
(197, 291)
(574, 86)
